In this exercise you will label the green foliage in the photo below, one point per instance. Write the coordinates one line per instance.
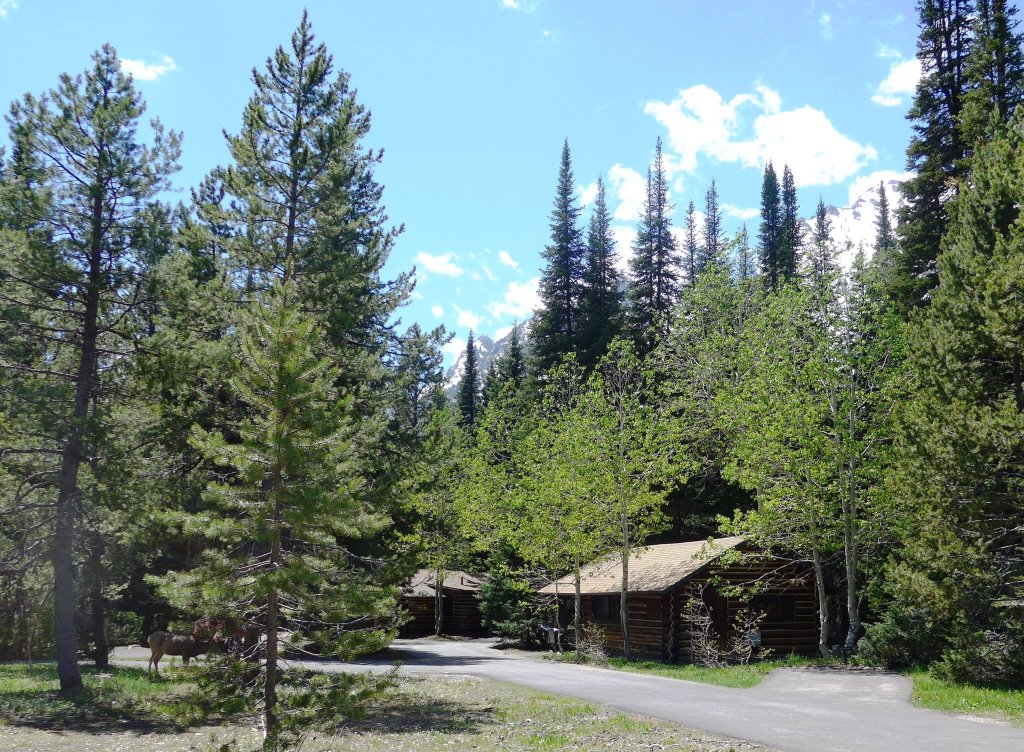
(556, 324)
(770, 234)
(601, 300)
(469, 387)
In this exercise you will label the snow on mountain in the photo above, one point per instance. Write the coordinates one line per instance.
(487, 350)
(854, 227)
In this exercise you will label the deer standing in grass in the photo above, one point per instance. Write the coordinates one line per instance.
(166, 643)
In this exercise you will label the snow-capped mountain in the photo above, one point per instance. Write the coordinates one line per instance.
(857, 223)
(486, 351)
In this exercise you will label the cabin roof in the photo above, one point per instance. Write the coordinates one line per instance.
(653, 569)
(423, 584)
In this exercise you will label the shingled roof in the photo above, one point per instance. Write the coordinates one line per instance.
(654, 569)
(423, 584)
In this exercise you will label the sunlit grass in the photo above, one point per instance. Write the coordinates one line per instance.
(938, 694)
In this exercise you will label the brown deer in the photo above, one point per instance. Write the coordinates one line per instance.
(165, 643)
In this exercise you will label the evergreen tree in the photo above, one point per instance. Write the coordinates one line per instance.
(770, 234)
(76, 280)
(556, 323)
(691, 248)
(654, 270)
(302, 186)
(821, 261)
(714, 233)
(294, 500)
(601, 302)
(994, 72)
(960, 569)
(507, 372)
(884, 258)
(744, 265)
(790, 240)
(469, 386)
(936, 152)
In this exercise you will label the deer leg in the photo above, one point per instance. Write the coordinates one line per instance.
(184, 660)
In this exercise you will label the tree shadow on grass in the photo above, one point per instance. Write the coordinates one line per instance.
(112, 700)
(409, 711)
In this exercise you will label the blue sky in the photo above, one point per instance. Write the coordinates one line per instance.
(471, 102)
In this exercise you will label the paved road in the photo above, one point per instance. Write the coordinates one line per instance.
(794, 710)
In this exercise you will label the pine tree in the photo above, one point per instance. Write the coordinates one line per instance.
(770, 234)
(507, 372)
(293, 502)
(884, 258)
(936, 152)
(654, 270)
(994, 72)
(601, 300)
(963, 443)
(790, 240)
(744, 265)
(556, 324)
(76, 282)
(469, 386)
(302, 186)
(714, 233)
(821, 260)
(691, 248)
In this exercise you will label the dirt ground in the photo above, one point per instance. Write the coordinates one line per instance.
(426, 714)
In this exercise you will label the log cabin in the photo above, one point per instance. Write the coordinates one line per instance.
(462, 615)
(662, 578)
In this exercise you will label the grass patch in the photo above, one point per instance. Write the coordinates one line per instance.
(938, 694)
(111, 698)
(737, 677)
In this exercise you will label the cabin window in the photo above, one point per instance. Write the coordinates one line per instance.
(449, 606)
(605, 609)
(777, 609)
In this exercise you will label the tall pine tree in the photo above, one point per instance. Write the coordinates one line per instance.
(654, 270)
(770, 234)
(469, 386)
(714, 233)
(691, 247)
(601, 303)
(556, 324)
(790, 232)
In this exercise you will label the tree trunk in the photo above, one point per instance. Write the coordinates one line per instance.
(271, 723)
(98, 604)
(558, 619)
(823, 611)
(439, 603)
(64, 627)
(624, 602)
(850, 532)
(578, 601)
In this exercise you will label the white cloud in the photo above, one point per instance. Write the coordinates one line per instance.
(143, 71)
(587, 193)
(489, 273)
(624, 238)
(861, 184)
(739, 213)
(437, 310)
(886, 52)
(501, 332)
(507, 260)
(417, 295)
(825, 25)
(701, 122)
(475, 276)
(6, 8)
(444, 263)
(901, 82)
(526, 6)
(454, 348)
(519, 300)
(631, 188)
(467, 318)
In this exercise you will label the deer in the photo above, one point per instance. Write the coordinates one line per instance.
(166, 643)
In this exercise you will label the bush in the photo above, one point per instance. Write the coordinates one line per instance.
(988, 659)
(591, 645)
(506, 603)
(901, 639)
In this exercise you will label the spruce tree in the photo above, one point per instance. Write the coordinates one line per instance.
(601, 301)
(691, 248)
(821, 259)
(884, 258)
(714, 233)
(76, 281)
(790, 240)
(770, 234)
(936, 152)
(469, 386)
(556, 324)
(744, 265)
(654, 270)
(507, 372)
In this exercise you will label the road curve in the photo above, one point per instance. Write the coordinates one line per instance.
(794, 710)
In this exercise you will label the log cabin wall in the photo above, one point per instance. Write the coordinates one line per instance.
(648, 617)
(462, 615)
(787, 598)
